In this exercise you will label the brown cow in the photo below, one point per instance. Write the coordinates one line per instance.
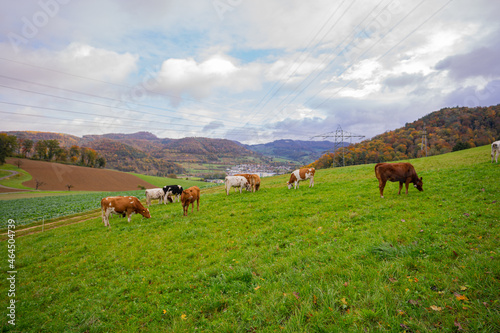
(397, 172)
(124, 206)
(253, 180)
(189, 196)
(301, 174)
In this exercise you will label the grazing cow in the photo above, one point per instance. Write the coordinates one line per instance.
(124, 206)
(153, 194)
(189, 196)
(397, 172)
(172, 191)
(236, 181)
(255, 182)
(495, 150)
(301, 174)
(252, 179)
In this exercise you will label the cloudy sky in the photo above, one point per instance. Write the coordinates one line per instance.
(252, 71)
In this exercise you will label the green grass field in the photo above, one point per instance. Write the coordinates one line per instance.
(333, 258)
(14, 181)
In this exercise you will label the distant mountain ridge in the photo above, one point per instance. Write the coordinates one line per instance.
(296, 150)
(143, 152)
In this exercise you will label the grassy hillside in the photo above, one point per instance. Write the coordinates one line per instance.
(449, 129)
(17, 180)
(333, 258)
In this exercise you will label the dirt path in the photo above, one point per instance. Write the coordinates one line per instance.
(20, 231)
(6, 189)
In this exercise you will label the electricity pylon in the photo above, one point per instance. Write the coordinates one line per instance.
(339, 134)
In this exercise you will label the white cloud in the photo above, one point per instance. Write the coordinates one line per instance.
(200, 79)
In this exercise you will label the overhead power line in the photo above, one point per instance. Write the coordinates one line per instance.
(340, 136)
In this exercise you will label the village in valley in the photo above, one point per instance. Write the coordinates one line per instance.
(262, 170)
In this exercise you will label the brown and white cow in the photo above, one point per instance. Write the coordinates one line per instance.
(397, 172)
(301, 174)
(124, 206)
(189, 196)
(252, 179)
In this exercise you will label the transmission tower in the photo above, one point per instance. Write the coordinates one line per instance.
(339, 135)
(424, 140)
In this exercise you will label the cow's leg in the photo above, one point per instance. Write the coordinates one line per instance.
(407, 185)
(400, 187)
(106, 218)
(295, 184)
(198, 204)
(381, 185)
(311, 182)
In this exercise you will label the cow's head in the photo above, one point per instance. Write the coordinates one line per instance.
(145, 213)
(418, 185)
(290, 185)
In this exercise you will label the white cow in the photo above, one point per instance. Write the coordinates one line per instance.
(154, 193)
(235, 181)
(495, 150)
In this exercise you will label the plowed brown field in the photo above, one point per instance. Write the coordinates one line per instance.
(57, 176)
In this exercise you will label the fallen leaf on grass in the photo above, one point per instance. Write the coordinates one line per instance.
(461, 297)
(164, 311)
(413, 302)
(343, 301)
(457, 324)
(436, 308)
(296, 294)
(401, 313)
(183, 317)
(463, 288)
(346, 284)
(256, 288)
(393, 280)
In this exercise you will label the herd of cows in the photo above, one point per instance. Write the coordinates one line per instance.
(404, 173)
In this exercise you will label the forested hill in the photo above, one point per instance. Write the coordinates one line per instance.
(447, 130)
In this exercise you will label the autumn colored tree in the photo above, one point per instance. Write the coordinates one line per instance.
(8, 145)
(447, 129)
(41, 150)
(27, 146)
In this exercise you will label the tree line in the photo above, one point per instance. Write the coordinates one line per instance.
(50, 151)
(443, 131)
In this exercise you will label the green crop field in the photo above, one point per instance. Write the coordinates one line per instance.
(332, 258)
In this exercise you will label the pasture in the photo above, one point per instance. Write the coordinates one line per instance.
(332, 258)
